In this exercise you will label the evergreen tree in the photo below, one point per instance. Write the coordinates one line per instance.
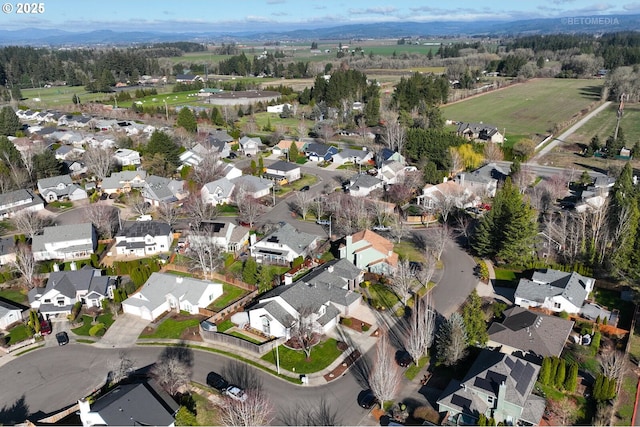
(474, 321)
(624, 214)
(294, 154)
(9, 154)
(254, 168)
(161, 143)
(76, 99)
(250, 271)
(9, 122)
(571, 382)
(561, 373)
(595, 342)
(545, 371)
(597, 388)
(260, 165)
(372, 111)
(45, 165)
(187, 120)
(555, 361)
(216, 117)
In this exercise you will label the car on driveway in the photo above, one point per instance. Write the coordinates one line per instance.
(366, 399)
(381, 228)
(403, 358)
(62, 338)
(45, 327)
(216, 381)
(323, 222)
(235, 393)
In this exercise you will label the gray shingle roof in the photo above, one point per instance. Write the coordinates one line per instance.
(253, 183)
(486, 173)
(549, 283)
(7, 245)
(364, 181)
(343, 270)
(144, 228)
(287, 235)
(159, 188)
(53, 181)
(62, 233)
(281, 165)
(301, 295)
(18, 195)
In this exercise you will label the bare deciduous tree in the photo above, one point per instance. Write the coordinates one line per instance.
(385, 375)
(26, 265)
(99, 161)
(104, 218)
(394, 136)
(421, 329)
(303, 203)
(205, 254)
(249, 208)
(168, 213)
(438, 239)
(428, 268)
(173, 369)
(403, 280)
(612, 364)
(137, 204)
(208, 169)
(320, 206)
(310, 414)
(255, 410)
(305, 329)
(452, 340)
(28, 222)
(121, 367)
(397, 229)
(492, 152)
(198, 211)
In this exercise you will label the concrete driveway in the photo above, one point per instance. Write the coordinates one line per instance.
(123, 332)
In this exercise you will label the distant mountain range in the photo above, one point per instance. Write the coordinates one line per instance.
(599, 24)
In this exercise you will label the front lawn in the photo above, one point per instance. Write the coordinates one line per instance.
(230, 294)
(61, 205)
(18, 333)
(382, 296)
(322, 356)
(407, 250)
(206, 411)
(414, 370)
(227, 209)
(106, 319)
(506, 278)
(171, 328)
(16, 295)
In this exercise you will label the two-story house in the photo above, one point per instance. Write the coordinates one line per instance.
(159, 190)
(283, 172)
(65, 242)
(554, 290)
(143, 238)
(60, 188)
(369, 251)
(361, 185)
(126, 157)
(283, 245)
(217, 192)
(482, 181)
(124, 182)
(19, 200)
(226, 235)
(250, 146)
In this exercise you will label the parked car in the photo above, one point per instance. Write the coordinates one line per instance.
(323, 222)
(381, 228)
(403, 358)
(45, 327)
(104, 196)
(232, 155)
(366, 399)
(62, 338)
(235, 393)
(305, 188)
(216, 381)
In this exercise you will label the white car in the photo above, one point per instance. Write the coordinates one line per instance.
(381, 228)
(235, 393)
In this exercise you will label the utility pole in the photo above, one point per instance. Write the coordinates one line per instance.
(619, 116)
(166, 109)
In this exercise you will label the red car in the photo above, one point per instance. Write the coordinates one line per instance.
(45, 327)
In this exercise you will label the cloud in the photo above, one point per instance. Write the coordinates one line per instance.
(279, 14)
(374, 11)
(257, 18)
(561, 2)
(276, 1)
(594, 8)
(632, 6)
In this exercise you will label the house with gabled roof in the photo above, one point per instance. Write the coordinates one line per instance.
(337, 272)
(164, 292)
(226, 235)
(7, 250)
(283, 245)
(449, 192)
(284, 145)
(140, 403)
(282, 171)
(217, 192)
(387, 154)
(188, 78)
(126, 157)
(361, 185)
(369, 251)
(358, 157)
(158, 190)
(65, 242)
(526, 334)
(391, 172)
(124, 182)
(60, 188)
(19, 200)
(65, 288)
(10, 313)
(318, 152)
(276, 311)
(143, 238)
(253, 186)
(479, 132)
(484, 180)
(497, 385)
(250, 146)
(554, 290)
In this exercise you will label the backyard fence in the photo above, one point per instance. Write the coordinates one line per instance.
(230, 340)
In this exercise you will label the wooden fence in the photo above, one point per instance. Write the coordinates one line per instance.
(230, 340)
(237, 305)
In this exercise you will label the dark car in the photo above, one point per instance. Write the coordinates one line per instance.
(366, 399)
(403, 358)
(62, 338)
(232, 155)
(216, 381)
(45, 327)
(104, 196)
(305, 188)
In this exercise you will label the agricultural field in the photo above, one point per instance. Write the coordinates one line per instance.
(529, 108)
(604, 125)
(55, 97)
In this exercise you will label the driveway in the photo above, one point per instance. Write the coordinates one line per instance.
(123, 332)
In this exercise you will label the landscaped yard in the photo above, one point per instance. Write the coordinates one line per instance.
(171, 328)
(244, 337)
(382, 296)
(224, 325)
(322, 356)
(611, 300)
(206, 411)
(18, 333)
(506, 278)
(230, 293)
(106, 319)
(407, 250)
(16, 295)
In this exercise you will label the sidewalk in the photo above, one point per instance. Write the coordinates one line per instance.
(487, 289)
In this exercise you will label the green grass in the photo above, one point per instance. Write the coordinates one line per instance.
(18, 333)
(179, 273)
(223, 326)
(611, 300)
(227, 209)
(262, 119)
(413, 370)
(58, 96)
(604, 123)
(625, 408)
(16, 295)
(550, 392)
(171, 329)
(106, 319)
(61, 205)
(525, 108)
(507, 275)
(244, 337)
(322, 356)
(382, 296)
(407, 250)
(206, 412)
(85, 341)
(230, 293)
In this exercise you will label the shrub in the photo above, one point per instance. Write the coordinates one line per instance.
(75, 311)
(595, 343)
(97, 330)
(365, 328)
(564, 315)
(346, 321)
(342, 346)
(426, 413)
(483, 270)
(297, 262)
(498, 308)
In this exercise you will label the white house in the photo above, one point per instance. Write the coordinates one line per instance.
(283, 245)
(554, 290)
(448, 193)
(358, 157)
(163, 292)
(362, 185)
(143, 238)
(60, 188)
(253, 186)
(391, 172)
(19, 200)
(65, 242)
(217, 192)
(278, 109)
(250, 146)
(280, 171)
(482, 181)
(126, 157)
(9, 314)
(226, 235)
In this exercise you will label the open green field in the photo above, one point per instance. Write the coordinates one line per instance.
(604, 124)
(528, 108)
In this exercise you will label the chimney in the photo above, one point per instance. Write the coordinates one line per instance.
(56, 267)
(288, 278)
(502, 392)
(330, 269)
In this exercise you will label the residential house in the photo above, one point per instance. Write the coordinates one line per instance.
(358, 157)
(75, 168)
(340, 273)
(479, 132)
(447, 193)
(498, 386)
(60, 188)
(126, 157)
(65, 242)
(554, 290)
(217, 192)
(229, 171)
(7, 250)
(164, 292)
(317, 152)
(226, 235)
(65, 288)
(369, 251)
(10, 313)
(283, 172)
(143, 238)
(19, 200)
(216, 144)
(188, 78)
(386, 154)
(282, 148)
(278, 109)
(124, 182)
(143, 403)
(277, 310)
(484, 180)
(526, 334)
(67, 152)
(391, 172)
(250, 146)
(362, 185)
(158, 190)
(596, 194)
(283, 245)
(253, 186)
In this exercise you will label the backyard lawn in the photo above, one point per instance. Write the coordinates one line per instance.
(382, 296)
(18, 333)
(230, 293)
(14, 294)
(407, 250)
(611, 300)
(171, 328)
(322, 356)
(244, 337)
(106, 319)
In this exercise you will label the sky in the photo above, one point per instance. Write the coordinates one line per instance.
(283, 15)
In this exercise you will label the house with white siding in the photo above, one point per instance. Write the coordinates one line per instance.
(65, 242)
